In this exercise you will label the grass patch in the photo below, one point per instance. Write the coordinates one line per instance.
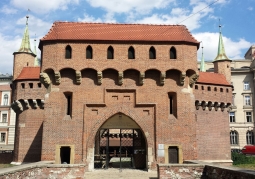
(239, 158)
(246, 166)
(6, 165)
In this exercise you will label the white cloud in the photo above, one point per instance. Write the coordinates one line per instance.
(8, 10)
(39, 6)
(88, 18)
(127, 6)
(233, 49)
(250, 8)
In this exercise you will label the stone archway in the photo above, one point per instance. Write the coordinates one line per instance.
(120, 143)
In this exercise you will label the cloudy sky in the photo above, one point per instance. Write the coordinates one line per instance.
(200, 16)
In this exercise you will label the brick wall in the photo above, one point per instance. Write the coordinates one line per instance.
(21, 60)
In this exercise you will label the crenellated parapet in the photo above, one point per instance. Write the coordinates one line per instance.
(20, 105)
(210, 105)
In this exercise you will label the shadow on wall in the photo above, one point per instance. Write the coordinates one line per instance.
(35, 150)
(6, 158)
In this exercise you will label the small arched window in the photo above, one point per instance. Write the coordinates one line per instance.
(233, 138)
(208, 88)
(227, 90)
(202, 87)
(215, 88)
(221, 89)
(89, 52)
(196, 87)
(152, 53)
(250, 137)
(110, 53)
(173, 53)
(68, 52)
(6, 99)
(131, 53)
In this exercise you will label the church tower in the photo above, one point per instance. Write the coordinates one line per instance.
(24, 57)
(222, 62)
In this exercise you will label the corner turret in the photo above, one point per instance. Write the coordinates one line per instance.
(222, 62)
(24, 56)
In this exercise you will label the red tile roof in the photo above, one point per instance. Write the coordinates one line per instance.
(29, 73)
(119, 32)
(212, 78)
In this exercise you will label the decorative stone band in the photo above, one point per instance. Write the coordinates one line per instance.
(210, 105)
(20, 105)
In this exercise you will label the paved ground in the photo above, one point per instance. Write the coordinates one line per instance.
(113, 173)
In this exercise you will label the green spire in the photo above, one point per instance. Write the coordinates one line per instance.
(221, 50)
(202, 64)
(25, 44)
(36, 62)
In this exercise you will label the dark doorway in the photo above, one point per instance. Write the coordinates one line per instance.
(65, 155)
(173, 154)
(120, 148)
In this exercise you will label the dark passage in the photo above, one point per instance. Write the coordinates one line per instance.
(65, 155)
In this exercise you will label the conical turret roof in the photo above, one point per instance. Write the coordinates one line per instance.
(221, 50)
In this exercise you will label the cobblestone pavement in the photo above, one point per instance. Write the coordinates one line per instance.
(113, 173)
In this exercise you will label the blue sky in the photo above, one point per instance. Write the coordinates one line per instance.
(237, 20)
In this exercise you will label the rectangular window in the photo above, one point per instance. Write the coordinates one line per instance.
(232, 117)
(2, 139)
(246, 85)
(233, 99)
(247, 100)
(4, 118)
(248, 117)
(172, 103)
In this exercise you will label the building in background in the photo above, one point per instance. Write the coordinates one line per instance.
(7, 115)
(241, 115)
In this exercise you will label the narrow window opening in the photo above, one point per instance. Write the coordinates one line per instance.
(6, 99)
(22, 85)
(202, 87)
(65, 154)
(27, 64)
(227, 90)
(39, 85)
(209, 88)
(68, 103)
(30, 85)
(221, 89)
(110, 53)
(215, 89)
(3, 135)
(131, 53)
(89, 52)
(196, 87)
(152, 53)
(68, 54)
(172, 103)
(172, 53)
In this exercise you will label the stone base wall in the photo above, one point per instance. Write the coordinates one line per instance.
(199, 171)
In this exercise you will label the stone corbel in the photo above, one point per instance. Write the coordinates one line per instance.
(42, 103)
(222, 106)
(99, 77)
(216, 106)
(45, 79)
(182, 78)
(197, 104)
(210, 105)
(193, 79)
(162, 78)
(35, 103)
(120, 77)
(204, 104)
(141, 78)
(26, 103)
(78, 77)
(57, 77)
(17, 106)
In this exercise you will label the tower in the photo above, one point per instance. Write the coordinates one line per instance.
(222, 62)
(24, 57)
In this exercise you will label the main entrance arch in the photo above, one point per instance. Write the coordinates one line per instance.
(120, 143)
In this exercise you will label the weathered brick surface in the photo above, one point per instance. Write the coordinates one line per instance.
(92, 104)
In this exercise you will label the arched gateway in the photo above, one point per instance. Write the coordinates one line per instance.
(120, 143)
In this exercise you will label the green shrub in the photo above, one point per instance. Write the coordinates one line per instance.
(239, 158)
